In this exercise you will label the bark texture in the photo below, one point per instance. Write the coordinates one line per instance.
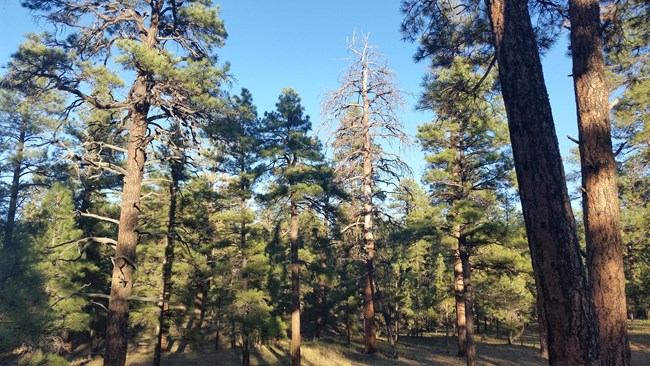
(127, 237)
(460, 303)
(369, 331)
(552, 236)
(600, 192)
(541, 322)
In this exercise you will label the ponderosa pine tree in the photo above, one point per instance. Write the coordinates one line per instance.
(177, 162)
(627, 60)
(295, 160)
(237, 137)
(366, 106)
(550, 225)
(28, 119)
(138, 37)
(600, 201)
(467, 162)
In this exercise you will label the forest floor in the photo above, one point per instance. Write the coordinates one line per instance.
(431, 349)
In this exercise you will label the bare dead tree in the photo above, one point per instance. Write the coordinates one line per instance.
(366, 107)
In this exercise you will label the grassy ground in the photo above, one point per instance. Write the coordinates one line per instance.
(429, 350)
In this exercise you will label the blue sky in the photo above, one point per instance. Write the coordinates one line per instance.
(302, 44)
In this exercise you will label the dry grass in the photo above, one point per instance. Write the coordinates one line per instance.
(429, 350)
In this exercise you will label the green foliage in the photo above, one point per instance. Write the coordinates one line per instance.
(626, 46)
(25, 315)
(444, 33)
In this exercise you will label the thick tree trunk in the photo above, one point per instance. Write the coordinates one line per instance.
(164, 316)
(460, 304)
(369, 332)
(600, 193)
(295, 289)
(17, 170)
(541, 322)
(552, 237)
(468, 297)
(127, 238)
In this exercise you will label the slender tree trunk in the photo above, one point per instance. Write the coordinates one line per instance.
(320, 300)
(468, 296)
(245, 353)
(369, 332)
(295, 289)
(460, 303)
(552, 237)
(348, 327)
(127, 237)
(376, 292)
(199, 305)
(164, 316)
(95, 325)
(600, 193)
(17, 170)
(233, 334)
(397, 323)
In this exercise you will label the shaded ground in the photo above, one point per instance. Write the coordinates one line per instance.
(420, 351)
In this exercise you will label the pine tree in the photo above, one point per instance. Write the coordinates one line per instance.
(550, 225)
(600, 201)
(296, 177)
(366, 106)
(28, 119)
(467, 163)
(137, 37)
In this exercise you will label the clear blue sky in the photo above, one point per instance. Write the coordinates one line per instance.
(302, 44)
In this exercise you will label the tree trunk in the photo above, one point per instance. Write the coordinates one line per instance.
(164, 316)
(17, 170)
(600, 192)
(541, 323)
(468, 297)
(369, 332)
(397, 330)
(376, 292)
(245, 353)
(199, 305)
(127, 238)
(460, 304)
(295, 289)
(348, 327)
(320, 300)
(552, 237)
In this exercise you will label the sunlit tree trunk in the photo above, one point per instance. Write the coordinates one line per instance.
(599, 188)
(127, 237)
(295, 288)
(552, 236)
(460, 303)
